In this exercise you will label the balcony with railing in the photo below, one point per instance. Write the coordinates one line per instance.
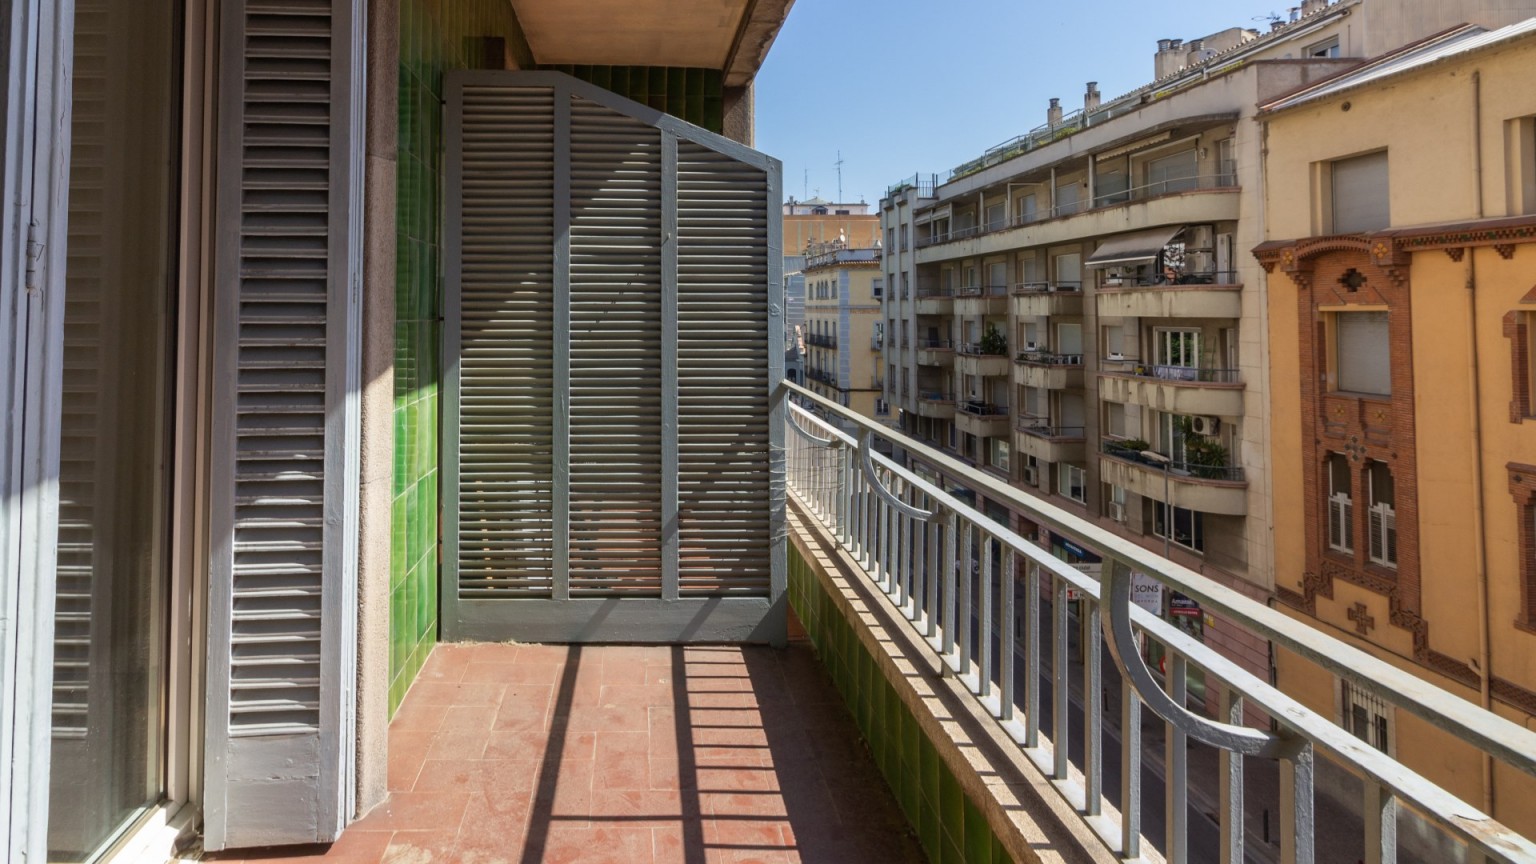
(934, 300)
(1175, 389)
(1043, 299)
(1078, 723)
(935, 352)
(1164, 202)
(1037, 367)
(981, 418)
(975, 301)
(984, 360)
(1211, 294)
(938, 404)
(1209, 488)
(822, 340)
(1039, 437)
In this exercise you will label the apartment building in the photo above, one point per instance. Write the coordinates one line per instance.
(843, 331)
(1074, 312)
(817, 223)
(1401, 253)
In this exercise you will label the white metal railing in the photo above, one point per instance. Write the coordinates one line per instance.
(913, 540)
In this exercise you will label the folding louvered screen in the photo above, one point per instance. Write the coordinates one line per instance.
(613, 300)
(282, 568)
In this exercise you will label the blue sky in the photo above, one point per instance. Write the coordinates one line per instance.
(902, 86)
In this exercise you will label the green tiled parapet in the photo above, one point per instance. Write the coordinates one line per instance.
(949, 826)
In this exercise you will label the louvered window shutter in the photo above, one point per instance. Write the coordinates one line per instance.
(612, 297)
(282, 569)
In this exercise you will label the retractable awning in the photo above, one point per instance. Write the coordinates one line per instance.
(1137, 248)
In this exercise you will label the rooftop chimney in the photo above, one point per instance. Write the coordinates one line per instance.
(1053, 113)
(1162, 44)
(1308, 7)
(1091, 98)
(1295, 12)
(1275, 25)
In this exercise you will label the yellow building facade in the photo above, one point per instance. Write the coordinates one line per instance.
(1401, 250)
(843, 332)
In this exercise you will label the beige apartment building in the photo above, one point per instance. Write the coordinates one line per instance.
(1076, 311)
(843, 330)
(1402, 257)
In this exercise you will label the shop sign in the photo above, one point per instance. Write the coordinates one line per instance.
(1147, 593)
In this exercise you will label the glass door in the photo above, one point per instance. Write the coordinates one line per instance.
(108, 750)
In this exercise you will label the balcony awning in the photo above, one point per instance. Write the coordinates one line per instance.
(1136, 248)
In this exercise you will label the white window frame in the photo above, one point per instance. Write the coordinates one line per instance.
(1178, 347)
(1341, 510)
(1160, 519)
(1382, 527)
(1065, 474)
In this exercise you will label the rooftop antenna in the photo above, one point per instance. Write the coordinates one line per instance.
(839, 164)
(805, 184)
(1273, 18)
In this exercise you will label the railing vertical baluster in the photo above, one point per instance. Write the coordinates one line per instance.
(904, 550)
(1130, 770)
(1007, 586)
(1032, 656)
(951, 539)
(984, 616)
(1297, 818)
(845, 496)
(931, 577)
(965, 597)
(1380, 813)
(1231, 782)
(1093, 712)
(1176, 768)
(1060, 683)
(886, 550)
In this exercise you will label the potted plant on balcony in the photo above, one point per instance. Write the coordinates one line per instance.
(1207, 457)
(994, 342)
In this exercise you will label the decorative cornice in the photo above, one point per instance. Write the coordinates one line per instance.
(1391, 248)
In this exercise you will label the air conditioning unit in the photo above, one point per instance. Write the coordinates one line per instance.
(1117, 511)
(1200, 237)
(1030, 476)
(1202, 425)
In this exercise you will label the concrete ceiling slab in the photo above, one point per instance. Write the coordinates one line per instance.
(730, 35)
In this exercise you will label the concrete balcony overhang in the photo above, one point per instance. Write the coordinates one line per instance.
(730, 35)
(1050, 376)
(983, 365)
(934, 304)
(1050, 444)
(1171, 301)
(1180, 208)
(982, 425)
(1043, 304)
(936, 407)
(1221, 497)
(979, 305)
(1175, 397)
(942, 357)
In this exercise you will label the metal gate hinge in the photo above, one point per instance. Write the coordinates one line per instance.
(34, 255)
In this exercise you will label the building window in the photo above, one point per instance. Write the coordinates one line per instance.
(1362, 353)
(1115, 502)
(1114, 419)
(1520, 165)
(1520, 328)
(1188, 528)
(1026, 209)
(1178, 349)
(1341, 505)
(1383, 514)
(996, 216)
(1360, 199)
(1328, 48)
(1522, 486)
(1365, 715)
(877, 288)
(1072, 481)
(997, 453)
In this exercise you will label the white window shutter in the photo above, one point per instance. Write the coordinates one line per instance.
(283, 486)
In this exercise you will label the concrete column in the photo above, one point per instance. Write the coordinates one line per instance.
(378, 386)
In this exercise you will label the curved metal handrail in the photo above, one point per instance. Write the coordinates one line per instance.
(1115, 612)
(866, 458)
(806, 434)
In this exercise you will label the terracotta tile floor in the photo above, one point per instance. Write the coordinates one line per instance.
(564, 754)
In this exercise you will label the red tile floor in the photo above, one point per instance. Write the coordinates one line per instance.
(565, 754)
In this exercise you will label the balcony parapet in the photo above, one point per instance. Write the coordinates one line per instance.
(1048, 370)
(1044, 299)
(1174, 389)
(936, 404)
(941, 598)
(1038, 438)
(1170, 301)
(1219, 489)
(935, 352)
(974, 360)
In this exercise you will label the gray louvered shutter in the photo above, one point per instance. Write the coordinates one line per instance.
(282, 569)
(724, 500)
(611, 318)
(615, 354)
(499, 344)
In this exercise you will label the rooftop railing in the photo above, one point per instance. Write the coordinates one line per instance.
(1040, 357)
(1189, 374)
(1060, 287)
(955, 576)
(981, 409)
(1168, 186)
(1040, 427)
